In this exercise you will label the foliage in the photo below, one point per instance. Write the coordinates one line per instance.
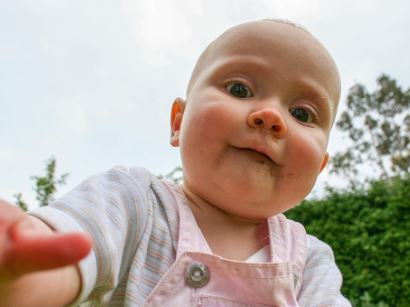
(369, 233)
(45, 186)
(378, 124)
(175, 175)
(20, 202)
(366, 301)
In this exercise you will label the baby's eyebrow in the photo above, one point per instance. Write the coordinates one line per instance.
(224, 63)
(247, 61)
(316, 92)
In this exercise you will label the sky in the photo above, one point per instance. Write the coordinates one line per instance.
(92, 82)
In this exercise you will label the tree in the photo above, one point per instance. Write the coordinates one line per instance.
(45, 186)
(378, 124)
(368, 230)
(175, 175)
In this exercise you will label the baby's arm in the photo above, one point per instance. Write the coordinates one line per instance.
(37, 265)
(322, 279)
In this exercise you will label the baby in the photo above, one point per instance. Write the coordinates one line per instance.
(252, 132)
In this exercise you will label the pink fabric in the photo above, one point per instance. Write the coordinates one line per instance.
(234, 283)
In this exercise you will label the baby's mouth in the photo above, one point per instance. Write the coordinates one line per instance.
(260, 155)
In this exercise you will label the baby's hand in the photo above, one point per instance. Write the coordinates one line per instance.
(28, 245)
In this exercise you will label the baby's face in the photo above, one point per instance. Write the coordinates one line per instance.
(255, 128)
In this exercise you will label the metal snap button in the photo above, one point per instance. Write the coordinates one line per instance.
(197, 275)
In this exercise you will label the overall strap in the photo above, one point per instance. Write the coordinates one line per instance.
(288, 242)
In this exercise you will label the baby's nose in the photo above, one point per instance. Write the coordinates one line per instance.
(269, 119)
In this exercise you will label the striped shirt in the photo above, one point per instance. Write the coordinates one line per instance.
(133, 219)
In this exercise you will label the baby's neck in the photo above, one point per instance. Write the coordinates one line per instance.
(227, 235)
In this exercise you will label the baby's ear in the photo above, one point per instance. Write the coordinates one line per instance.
(324, 162)
(177, 112)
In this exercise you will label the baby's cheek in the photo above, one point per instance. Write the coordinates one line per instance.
(217, 120)
(202, 131)
(308, 156)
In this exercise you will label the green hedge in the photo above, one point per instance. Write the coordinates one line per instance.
(369, 232)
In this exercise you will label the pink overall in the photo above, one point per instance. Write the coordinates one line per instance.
(199, 278)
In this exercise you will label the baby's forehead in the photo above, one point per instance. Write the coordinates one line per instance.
(262, 35)
(259, 38)
(247, 34)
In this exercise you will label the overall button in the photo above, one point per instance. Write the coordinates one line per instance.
(197, 275)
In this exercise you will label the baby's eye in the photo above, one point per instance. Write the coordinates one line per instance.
(302, 115)
(239, 90)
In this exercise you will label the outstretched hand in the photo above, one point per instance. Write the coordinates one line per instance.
(28, 245)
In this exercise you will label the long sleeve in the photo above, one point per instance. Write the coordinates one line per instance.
(113, 208)
(322, 279)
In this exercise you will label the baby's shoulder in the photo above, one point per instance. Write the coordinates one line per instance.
(139, 175)
(315, 245)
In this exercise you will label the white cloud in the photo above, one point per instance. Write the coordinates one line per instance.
(71, 115)
(295, 10)
(161, 26)
(8, 154)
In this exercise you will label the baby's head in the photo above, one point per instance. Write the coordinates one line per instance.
(254, 128)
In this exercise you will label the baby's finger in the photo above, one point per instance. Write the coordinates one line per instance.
(9, 214)
(30, 254)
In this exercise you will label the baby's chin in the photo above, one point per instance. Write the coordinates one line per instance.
(251, 211)
(258, 182)
(252, 202)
